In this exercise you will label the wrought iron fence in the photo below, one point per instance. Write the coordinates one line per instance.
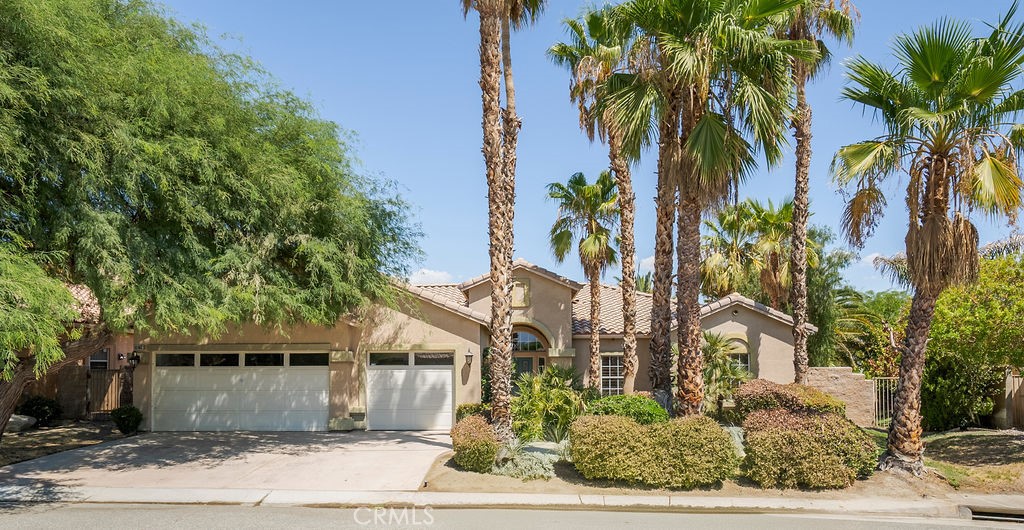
(885, 400)
(104, 393)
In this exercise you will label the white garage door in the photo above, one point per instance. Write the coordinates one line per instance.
(240, 392)
(410, 391)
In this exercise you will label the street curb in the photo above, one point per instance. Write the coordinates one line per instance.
(354, 499)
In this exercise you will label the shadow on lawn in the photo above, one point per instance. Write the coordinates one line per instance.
(978, 448)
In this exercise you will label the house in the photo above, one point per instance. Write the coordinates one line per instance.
(408, 367)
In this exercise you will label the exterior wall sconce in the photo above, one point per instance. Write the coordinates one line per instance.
(469, 357)
(134, 359)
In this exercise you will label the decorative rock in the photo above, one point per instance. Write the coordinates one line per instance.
(20, 423)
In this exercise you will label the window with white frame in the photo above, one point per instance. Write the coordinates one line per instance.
(611, 375)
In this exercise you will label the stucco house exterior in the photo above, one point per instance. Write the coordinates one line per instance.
(408, 367)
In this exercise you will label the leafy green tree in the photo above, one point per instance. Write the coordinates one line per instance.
(948, 110)
(176, 182)
(587, 215)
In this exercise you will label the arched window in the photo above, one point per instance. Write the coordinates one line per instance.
(525, 341)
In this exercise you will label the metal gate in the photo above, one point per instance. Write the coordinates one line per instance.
(885, 400)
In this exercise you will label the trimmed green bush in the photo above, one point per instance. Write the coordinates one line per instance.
(127, 418)
(475, 444)
(43, 409)
(760, 394)
(472, 409)
(641, 409)
(546, 404)
(681, 454)
(806, 450)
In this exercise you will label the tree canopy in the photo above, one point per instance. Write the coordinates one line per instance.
(176, 181)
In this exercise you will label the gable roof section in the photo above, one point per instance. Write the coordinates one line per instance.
(447, 297)
(739, 299)
(521, 263)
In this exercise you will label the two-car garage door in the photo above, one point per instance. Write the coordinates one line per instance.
(240, 392)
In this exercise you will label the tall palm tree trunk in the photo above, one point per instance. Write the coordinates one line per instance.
(593, 377)
(627, 254)
(690, 365)
(904, 448)
(801, 205)
(501, 263)
(660, 370)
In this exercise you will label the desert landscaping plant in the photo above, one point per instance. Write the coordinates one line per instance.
(761, 394)
(640, 409)
(683, 453)
(809, 450)
(546, 404)
(475, 444)
(466, 410)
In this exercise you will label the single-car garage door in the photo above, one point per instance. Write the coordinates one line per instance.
(240, 391)
(410, 390)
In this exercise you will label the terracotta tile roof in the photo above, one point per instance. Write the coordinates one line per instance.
(521, 263)
(442, 296)
(86, 303)
(611, 311)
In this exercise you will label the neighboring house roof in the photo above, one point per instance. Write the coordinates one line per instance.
(739, 299)
(611, 311)
(86, 303)
(444, 296)
(521, 263)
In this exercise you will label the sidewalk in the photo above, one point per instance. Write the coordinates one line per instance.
(953, 506)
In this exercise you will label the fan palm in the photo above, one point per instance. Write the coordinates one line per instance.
(594, 52)
(723, 373)
(587, 214)
(947, 111)
(811, 21)
(500, 137)
(729, 251)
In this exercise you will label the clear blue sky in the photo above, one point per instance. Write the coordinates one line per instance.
(403, 76)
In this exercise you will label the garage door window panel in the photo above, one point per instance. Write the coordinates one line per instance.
(389, 359)
(308, 359)
(175, 360)
(264, 359)
(218, 360)
(434, 359)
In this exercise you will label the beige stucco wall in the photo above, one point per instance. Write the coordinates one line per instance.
(849, 387)
(549, 310)
(770, 341)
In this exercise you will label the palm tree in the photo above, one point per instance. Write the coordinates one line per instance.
(809, 22)
(947, 110)
(723, 373)
(729, 254)
(500, 137)
(644, 282)
(594, 52)
(587, 214)
(723, 75)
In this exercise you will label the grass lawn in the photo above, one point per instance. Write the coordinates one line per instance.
(34, 443)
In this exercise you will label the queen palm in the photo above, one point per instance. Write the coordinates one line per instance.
(811, 21)
(947, 110)
(500, 137)
(731, 77)
(587, 214)
(594, 51)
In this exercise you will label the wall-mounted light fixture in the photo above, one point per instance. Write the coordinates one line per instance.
(135, 359)
(469, 357)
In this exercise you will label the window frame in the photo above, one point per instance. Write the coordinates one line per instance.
(612, 390)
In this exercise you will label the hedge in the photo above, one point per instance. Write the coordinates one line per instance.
(641, 409)
(475, 444)
(466, 410)
(759, 394)
(806, 450)
(681, 454)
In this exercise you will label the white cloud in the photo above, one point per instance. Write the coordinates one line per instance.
(870, 259)
(646, 265)
(428, 276)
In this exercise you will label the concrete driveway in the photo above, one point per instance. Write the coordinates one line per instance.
(356, 461)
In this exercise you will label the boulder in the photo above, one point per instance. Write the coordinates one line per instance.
(19, 423)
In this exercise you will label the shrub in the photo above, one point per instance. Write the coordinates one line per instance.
(529, 462)
(546, 404)
(806, 450)
(472, 409)
(957, 391)
(127, 418)
(642, 410)
(760, 394)
(475, 444)
(43, 409)
(683, 453)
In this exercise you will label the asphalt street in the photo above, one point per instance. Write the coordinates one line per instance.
(156, 516)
